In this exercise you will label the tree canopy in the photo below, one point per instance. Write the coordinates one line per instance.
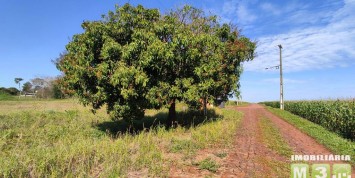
(18, 80)
(136, 59)
(27, 87)
(10, 91)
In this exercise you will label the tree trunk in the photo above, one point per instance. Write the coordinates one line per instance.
(205, 106)
(19, 88)
(172, 114)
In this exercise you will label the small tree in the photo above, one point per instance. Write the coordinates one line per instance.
(27, 87)
(18, 81)
(38, 82)
(47, 87)
(39, 86)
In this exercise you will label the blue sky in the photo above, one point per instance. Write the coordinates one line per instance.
(318, 38)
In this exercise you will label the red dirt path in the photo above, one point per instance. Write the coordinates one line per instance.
(249, 156)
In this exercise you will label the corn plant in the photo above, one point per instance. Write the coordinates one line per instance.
(335, 115)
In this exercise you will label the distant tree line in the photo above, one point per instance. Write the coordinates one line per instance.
(46, 87)
(10, 91)
(40, 87)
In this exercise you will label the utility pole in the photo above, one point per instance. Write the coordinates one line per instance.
(281, 81)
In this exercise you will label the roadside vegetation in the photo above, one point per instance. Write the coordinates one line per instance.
(272, 138)
(337, 115)
(236, 103)
(61, 138)
(331, 140)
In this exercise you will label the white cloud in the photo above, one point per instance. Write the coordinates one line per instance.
(308, 13)
(244, 14)
(240, 10)
(332, 45)
(268, 7)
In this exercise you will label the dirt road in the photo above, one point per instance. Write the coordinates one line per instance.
(252, 157)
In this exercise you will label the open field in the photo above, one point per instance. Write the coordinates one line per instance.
(62, 138)
(16, 106)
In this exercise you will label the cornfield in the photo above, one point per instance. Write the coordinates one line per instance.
(336, 115)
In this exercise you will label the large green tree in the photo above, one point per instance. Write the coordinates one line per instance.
(194, 57)
(103, 65)
(135, 59)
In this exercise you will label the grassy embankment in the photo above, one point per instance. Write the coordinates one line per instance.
(331, 140)
(63, 139)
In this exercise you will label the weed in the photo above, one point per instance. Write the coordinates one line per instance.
(221, 155)
(208, 164)
(182, 145)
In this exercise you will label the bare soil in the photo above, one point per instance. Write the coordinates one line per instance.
(250, 156)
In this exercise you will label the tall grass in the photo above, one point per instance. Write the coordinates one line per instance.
(5, 96)
(69, 142)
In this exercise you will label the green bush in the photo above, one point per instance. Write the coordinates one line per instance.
(5, 96)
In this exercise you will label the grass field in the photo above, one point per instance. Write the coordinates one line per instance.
(60, 138)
